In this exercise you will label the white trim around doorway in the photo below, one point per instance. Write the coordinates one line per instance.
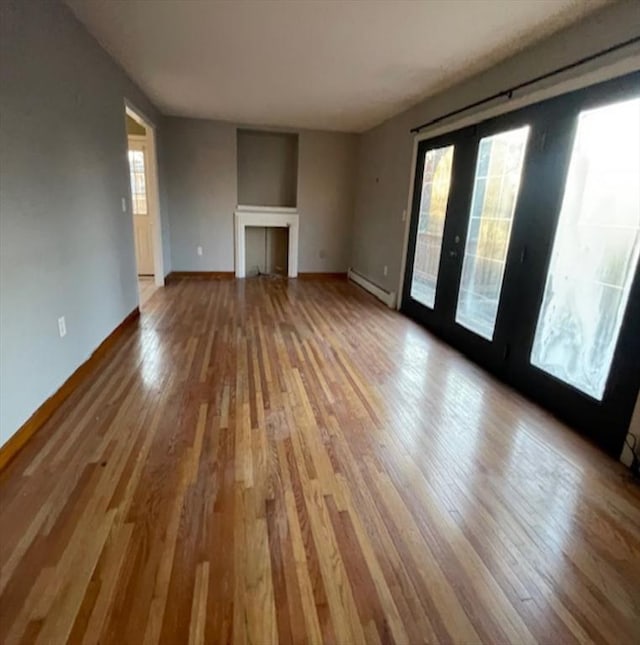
(154, 189)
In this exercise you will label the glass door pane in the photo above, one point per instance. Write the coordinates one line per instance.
(436, 181)
(138, 183)
(495, 191)
(595, 252)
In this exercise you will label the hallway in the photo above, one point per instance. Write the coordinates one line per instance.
(146, 288)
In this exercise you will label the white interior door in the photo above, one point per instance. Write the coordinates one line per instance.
(138, 164)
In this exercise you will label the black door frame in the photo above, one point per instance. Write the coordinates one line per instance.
(457, 200)
(553, 123)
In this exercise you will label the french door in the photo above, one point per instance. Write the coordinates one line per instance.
(523, 251)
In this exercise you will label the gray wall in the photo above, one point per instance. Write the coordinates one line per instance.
(267, 168)
(66, 248)
(201, 172)
(385, 153)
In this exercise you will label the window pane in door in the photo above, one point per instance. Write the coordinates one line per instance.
(595, 251)
(436, 180)
(138, 187)
(495, 191)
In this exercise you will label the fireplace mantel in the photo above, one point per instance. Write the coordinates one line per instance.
(266, 216)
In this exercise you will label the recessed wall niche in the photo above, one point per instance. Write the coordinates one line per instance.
(267, 168)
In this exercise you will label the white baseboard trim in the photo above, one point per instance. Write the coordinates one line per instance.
(388, 297)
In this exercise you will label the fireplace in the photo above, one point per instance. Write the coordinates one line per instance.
(265, 216)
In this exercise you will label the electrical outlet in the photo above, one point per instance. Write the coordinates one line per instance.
(124, 204)
(62, 327)
(404, 215)
(385, 270)
(199, 250)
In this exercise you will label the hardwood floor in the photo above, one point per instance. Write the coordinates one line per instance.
(266, 461)
(146, 288)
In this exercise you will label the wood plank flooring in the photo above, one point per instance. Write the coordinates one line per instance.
(265, 461)
(146, 288)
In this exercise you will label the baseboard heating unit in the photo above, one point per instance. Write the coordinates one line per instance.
(388, 297)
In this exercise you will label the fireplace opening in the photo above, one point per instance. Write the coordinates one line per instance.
(268, 247)
(266, 251)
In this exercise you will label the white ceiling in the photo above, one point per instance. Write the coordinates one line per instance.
(334, 65)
